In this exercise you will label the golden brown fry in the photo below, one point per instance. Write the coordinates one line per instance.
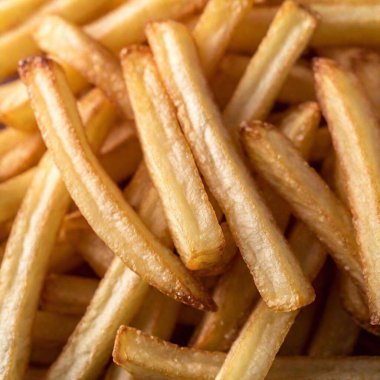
(146, 356)
(337, 333)
(99, 66)
(257, 90)
(322, 145)
(98, 198)
(313, 202)
(10, 138)
(270, 260)
(18, 43)
(190, 216)
(22, 157)
(217, 330)
(213, 30)
(67, 294)
(265, 328)
(355, 134)
(136, 188)
(341, 23)
(64, 258)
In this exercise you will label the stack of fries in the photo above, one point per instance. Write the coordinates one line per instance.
(169, 190)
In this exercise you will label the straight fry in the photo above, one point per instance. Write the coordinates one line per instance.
(338, 91)
(98, 198)
(257, 90)
(224, 171)
(191, 218)
(310, 198)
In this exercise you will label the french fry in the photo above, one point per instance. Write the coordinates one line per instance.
(99, 66)
(311, 199)
(217, 330)
(337, 333)
(191, 218)
(224, 171)
(322, 145)
(67, 294)
(22, 157)
(10, 138)
(13, 12)
(265, 327)
(99, 200)
(146, 356)
(213, 30)
(342, 23)
(137, 187)
(18, 43)
(31, 242)
(358, 129)
(264, 76)
(35, 373)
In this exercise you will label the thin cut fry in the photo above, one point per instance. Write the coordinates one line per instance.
(257, 90)
(311, 199)
(213, 31)
(67, 294)
(98, 198)
(18, 43)
(191, 218)
(99, 66)
(267, 328)
(270, 260)
(337, 333)
(355, 135)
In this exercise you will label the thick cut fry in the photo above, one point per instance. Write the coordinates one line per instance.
(313, 202)
(22, 157)
(257, 90)
(67, 294)
(18, 43)
(125, 25)
(99, 66)
(355, 132)
(98, 198)
(15, 11)
(31, 242)
(341, 23)
(266, 328)
(214, 29)
(191, 218)
(276, 273)
(337, 333)
(146, 356)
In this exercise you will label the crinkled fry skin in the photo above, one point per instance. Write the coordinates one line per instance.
(213, 31)
(274, 157)
(355, 133)
(98, 65)
(266, 328)
(277, 274)
(192, 221)
(97, 197)
(257, 90)
(18, 43)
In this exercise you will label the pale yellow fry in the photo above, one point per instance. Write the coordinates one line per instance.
(22, 157)
(10, 138)
(276, 273)
(15, 11)
(190, 216)
(353, 23)
(125, 25)
(98, 198)
(310, 198)
(146, 356)
(67, 294)
(355, 132)
(337, 332)
(12, 193)
(262, 80)
(99, 66)
(266, 328)
(18, 43)
(214, 29)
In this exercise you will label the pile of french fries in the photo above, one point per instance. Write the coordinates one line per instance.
(174, 175)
